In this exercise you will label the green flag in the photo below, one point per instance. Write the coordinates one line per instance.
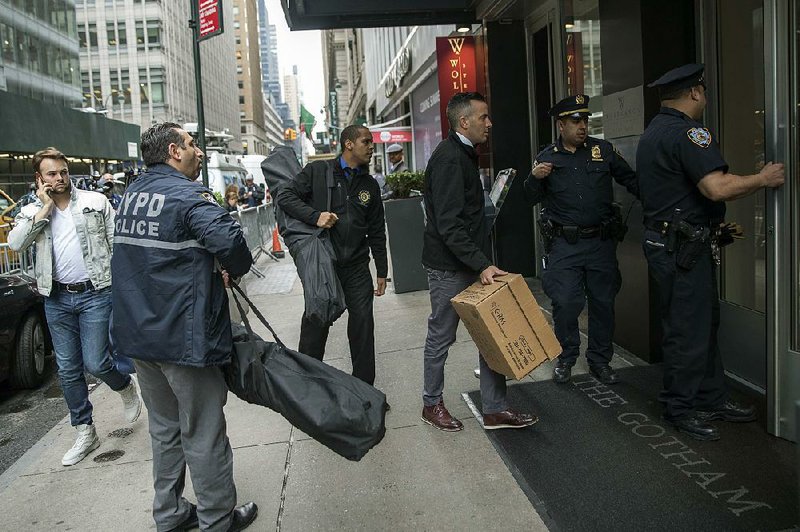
(307, 120)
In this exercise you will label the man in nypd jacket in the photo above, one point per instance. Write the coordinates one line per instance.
(173, 246)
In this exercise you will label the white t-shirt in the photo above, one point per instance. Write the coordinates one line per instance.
(68, 264)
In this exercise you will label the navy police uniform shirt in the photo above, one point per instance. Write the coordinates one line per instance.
(675, 152)
(169, 301)
(579, 190)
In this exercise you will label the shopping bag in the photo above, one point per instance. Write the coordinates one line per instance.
(344, 413)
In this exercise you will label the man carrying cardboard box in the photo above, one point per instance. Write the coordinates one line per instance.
(455, 253)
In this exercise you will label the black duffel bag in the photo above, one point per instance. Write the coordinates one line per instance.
(344, 413)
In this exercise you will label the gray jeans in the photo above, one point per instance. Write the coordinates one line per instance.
(442, 326)
(187, 427)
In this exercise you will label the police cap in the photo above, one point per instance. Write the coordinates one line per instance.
(682, 77)
(576, 106)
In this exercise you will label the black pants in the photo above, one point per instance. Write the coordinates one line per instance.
(358, 294)
(575, 273)
(693, 374)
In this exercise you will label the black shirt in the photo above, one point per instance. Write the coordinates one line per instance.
(579, 190)
(675, 152)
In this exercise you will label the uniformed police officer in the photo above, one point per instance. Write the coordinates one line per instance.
(684, 185)
(573, 179)
(171, 316)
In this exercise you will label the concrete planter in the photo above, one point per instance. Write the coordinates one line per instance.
(405, 227)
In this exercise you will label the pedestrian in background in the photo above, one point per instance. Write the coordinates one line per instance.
(685, 183)
(251, 194)
(173, 250)
(573, 179)
(73, 231)
(396, 160)
(356, 225)
(232, 202)
(456, 253)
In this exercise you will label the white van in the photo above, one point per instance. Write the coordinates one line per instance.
(223, 171)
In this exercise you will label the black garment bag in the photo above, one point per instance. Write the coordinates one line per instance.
(310, 246)
(344, 413)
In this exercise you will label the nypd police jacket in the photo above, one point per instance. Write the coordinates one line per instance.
(170, 239)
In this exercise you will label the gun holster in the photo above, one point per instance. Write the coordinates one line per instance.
(692, 242)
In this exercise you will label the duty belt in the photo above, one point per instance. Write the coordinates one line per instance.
(74, 288)
(583, 232)
(663, 227)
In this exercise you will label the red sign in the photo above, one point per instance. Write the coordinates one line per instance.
(391, 136)
(458, 71)
(210, 12)
(574, 64)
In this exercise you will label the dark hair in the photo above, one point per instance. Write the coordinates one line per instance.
(351, 133)
(156, 141)
(47, 153)
(673, 94)
(459, 105)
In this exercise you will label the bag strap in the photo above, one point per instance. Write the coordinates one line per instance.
(330, 183)
(237, 288)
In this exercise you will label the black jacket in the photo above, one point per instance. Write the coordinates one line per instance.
(356, 202)
(169, 301)
(457, 231)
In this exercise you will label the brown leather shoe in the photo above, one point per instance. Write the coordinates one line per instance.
(508, 419)
(438, 416)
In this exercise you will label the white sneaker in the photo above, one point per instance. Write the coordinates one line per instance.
(131, 402)
(87, 442)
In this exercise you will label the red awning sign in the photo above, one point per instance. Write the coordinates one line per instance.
(210, 18)
(391, 136)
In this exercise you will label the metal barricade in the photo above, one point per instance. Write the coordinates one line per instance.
(16, 262)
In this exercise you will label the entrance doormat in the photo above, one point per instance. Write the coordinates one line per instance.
(601, 458)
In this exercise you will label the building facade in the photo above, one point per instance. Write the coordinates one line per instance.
(292, 96)
(248, 77)
(40, 85)
(136, 64)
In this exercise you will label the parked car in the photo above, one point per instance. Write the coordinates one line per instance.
(24, 338)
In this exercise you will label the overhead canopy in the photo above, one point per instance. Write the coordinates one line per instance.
(325, 14)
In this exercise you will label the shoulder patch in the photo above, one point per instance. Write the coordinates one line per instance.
(208, 197)
(700, 136)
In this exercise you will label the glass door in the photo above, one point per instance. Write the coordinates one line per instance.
(543, 42)
(740, 105)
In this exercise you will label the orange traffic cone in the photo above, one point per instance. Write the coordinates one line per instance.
(276, 245)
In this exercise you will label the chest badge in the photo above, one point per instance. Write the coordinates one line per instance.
(596, 155)
(700, 136)
(364, 197)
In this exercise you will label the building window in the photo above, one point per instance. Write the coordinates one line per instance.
(241, 100)
(122, 37)
(244, 130)
(154, 33)
(112, 34)
(92, 35)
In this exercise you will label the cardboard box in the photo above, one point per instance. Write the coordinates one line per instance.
(507, 325)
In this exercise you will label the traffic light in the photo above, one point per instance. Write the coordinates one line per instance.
(290, 134)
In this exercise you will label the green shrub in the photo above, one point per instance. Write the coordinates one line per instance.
(402, 183)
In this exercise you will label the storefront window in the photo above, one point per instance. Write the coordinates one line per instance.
(582, 48)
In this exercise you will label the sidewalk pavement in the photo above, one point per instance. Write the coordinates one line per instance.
(417, 478)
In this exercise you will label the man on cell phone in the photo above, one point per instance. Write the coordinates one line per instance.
(73, 230)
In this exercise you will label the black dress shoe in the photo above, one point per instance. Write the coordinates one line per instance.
(562, 372)
(243, 516)
(694, 427)
(190, 522)
(729, 411)
(604, 374)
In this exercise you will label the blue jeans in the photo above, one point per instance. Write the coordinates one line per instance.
(79, 327)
